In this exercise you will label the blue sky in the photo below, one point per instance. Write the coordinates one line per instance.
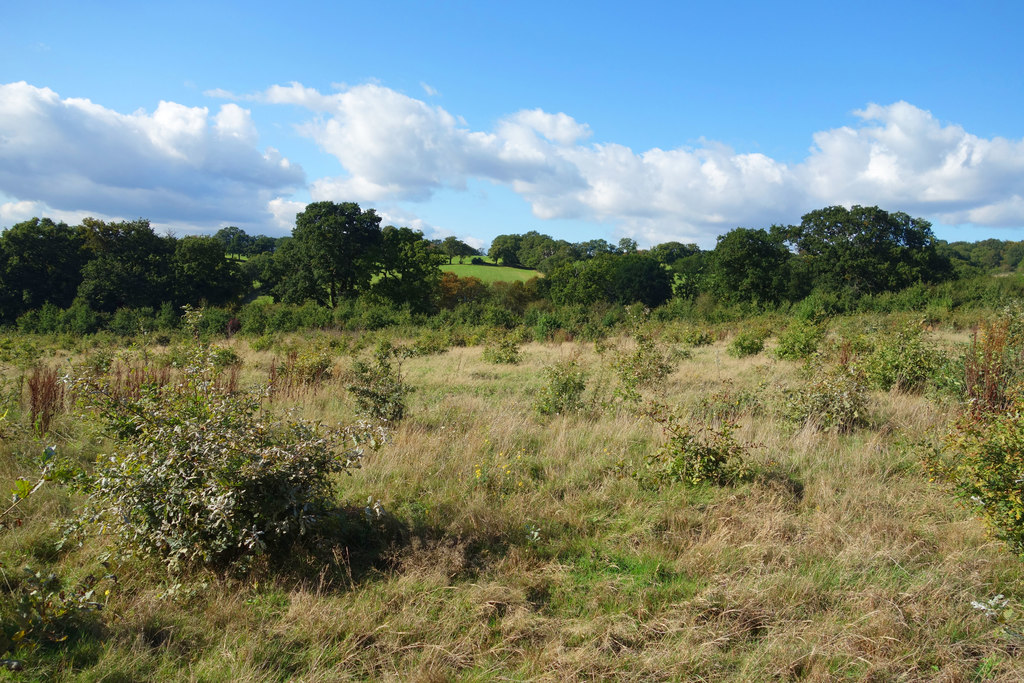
(655, 121)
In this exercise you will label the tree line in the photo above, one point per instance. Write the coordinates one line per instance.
(339, 252)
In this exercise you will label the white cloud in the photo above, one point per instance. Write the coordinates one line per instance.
(429, 89)
(395, 147)
(178, 165)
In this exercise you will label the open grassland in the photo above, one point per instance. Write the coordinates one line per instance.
(517, 546)
(492, 273)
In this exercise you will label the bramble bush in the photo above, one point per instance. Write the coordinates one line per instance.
(563, 391)
(502, 348)
(835, 398)
(646, 366)
(799, 341)
(200, 475)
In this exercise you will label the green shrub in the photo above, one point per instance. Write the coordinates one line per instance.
(378, 386)
(799, 341)
(983, 462)
(201, 476)
(904, 361)
(646, 366)
(747, 343)
(502, 349)
(834, 399)
(698, 336)
(692, 455)
(563, 391)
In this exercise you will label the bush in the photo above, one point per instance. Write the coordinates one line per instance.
(904, 361)
(563, 391)
(984, 458)
(799, 341)
(647, 366)
(693, 456)
(747, 343)
(502, 349)
(379, 387)
(201, 476)
(698, 336)
(835, 399)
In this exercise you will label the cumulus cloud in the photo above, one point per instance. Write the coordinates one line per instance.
(176, 165)
(395, 147)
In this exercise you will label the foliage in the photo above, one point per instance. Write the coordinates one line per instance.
(749, 266)
(983, 462)
(563, 389)
(865, 250)
(37, 609)
(692, 456)
(201, 476)
(799, 341)
(646, 366)
(904, 361)
(503, 349)
(993, 365)
(379, 388)
(698, 336)
(333, 251)
(834, 399)
(747, 343)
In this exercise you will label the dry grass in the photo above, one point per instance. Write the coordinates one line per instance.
(519, 551)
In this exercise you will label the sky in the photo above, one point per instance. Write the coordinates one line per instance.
(655, 121)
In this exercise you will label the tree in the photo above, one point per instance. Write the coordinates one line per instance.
(505, 248)
(235, 240)
(202, 272)
(336, 250)
(865, 250)
(408, 268)
(40, 262)
(749, 266)
(453, 247)
(129, 266)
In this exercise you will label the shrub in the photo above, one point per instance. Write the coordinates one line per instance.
(378, 386)
(904, 361)
(563, 390)
(834, 399)
(693, 456)
(698, 336)
(647, 366)
(984, 458)
(201, 476)
(799, 341)
(502, 349)
(747, 343)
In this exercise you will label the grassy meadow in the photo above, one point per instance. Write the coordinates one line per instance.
(512, 545)
(492, 272)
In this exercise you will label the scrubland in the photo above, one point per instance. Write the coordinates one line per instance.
(489, 541)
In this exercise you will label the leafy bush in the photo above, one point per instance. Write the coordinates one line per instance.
(693, 456)
(502, 349)
(563, 390)
(834, 399)
(646, 366)
(698, 336)
(747, 343)
(379, 387)
(984, 459)
(799, 341)
(202, 476)
(904, 361)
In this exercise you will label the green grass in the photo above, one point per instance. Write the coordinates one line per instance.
(492, 273)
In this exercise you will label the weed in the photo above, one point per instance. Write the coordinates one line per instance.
(503, 349)
(799, 341)
(835, 399)
(904, 362)
(747, 343)
(46, 397)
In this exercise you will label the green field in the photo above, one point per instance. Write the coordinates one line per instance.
(491, 273)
